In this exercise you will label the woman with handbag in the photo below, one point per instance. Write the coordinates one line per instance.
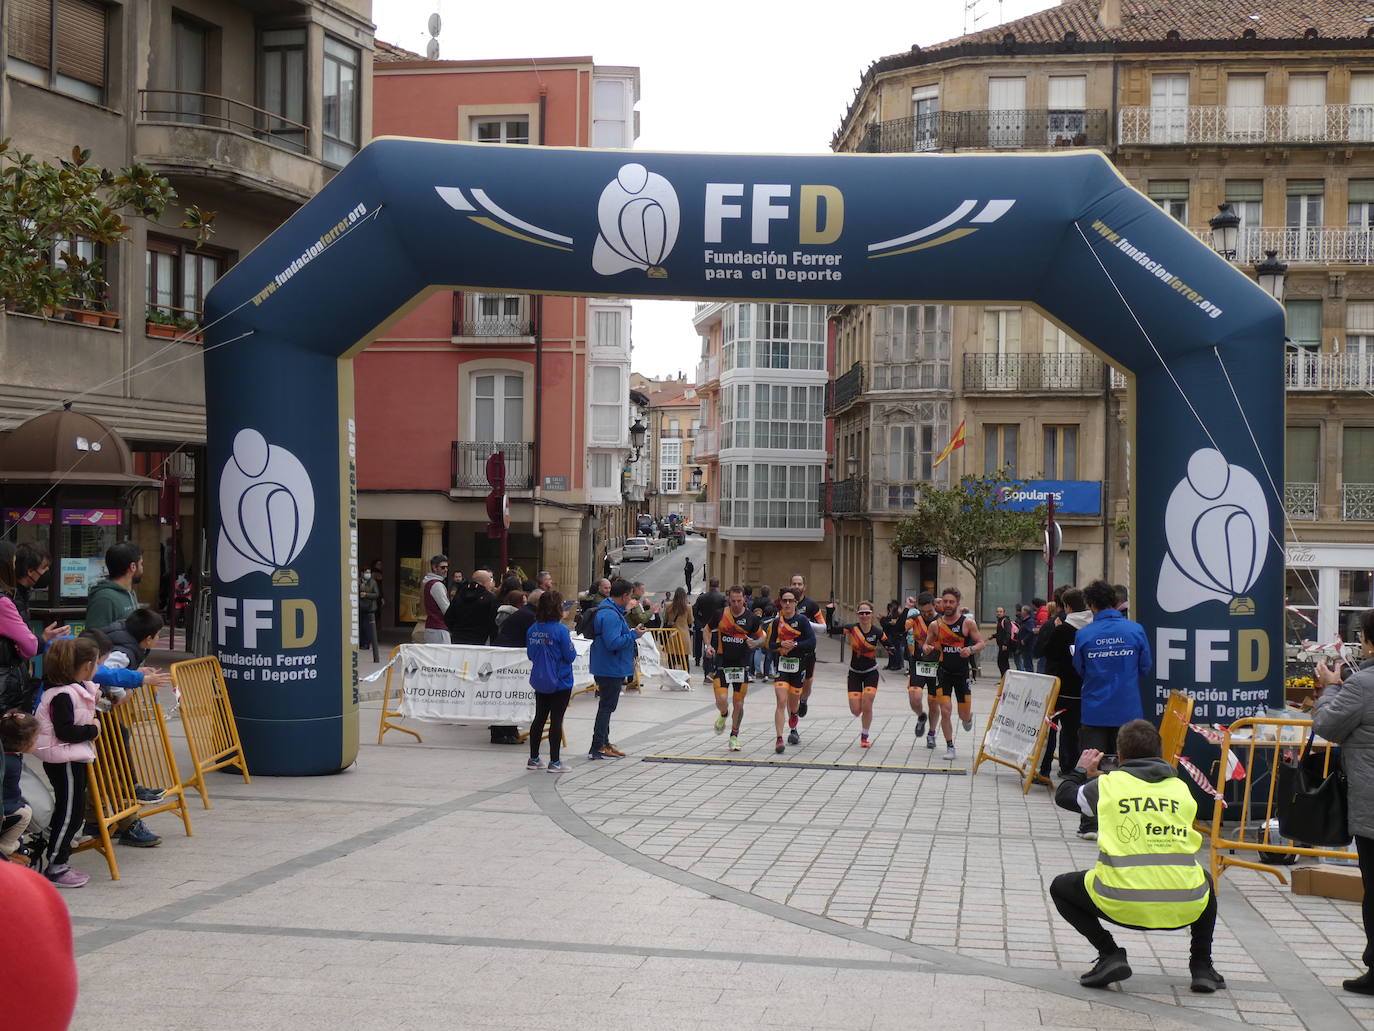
(1345, 717)
(17, 642)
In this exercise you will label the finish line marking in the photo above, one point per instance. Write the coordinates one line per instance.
(792, 764)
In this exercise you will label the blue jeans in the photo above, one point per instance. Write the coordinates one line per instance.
(1024, 657)
(607, 698)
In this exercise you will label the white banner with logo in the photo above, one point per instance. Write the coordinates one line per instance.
(1015, 730)
(462, 683)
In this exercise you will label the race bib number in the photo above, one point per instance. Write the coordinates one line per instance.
(789, 664)
(926, 669)
(734, 675)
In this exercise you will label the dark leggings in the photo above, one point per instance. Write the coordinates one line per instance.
(68, 782)
(549, 705)
(1365, 848)
(1071, 898)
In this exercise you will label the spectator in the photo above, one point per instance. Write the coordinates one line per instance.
(612, 661)
(515, 627)
(434, 589)
(18, 733)
(113, 598)
(891, 625)
(66, 745)
(1025, 639)
(1123, 600)
(1041, 610)
(1003, 635)
(1111, 654)
(369, 601)
(17, 642)
(687, 570)
(471, 618)
(510, 605)
(678, 616)
(706, 612)
(31, 565)
(1058, 654)
(638, 614)
(551, 654)
(1147, 876)
(39, 968)
(543, 580)
(131, 639)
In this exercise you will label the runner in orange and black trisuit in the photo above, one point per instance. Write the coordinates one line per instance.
(922, 665)
(863, 638)
(793, 640)
(730, 642)
(956, 637)
(811, 609)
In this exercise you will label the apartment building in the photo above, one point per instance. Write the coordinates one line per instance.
(1269, 109)
(248, 109)
(465, 373)
(761, 442)
(674, 419)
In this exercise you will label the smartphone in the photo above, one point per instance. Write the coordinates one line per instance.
(568, 604)
(1108, 763)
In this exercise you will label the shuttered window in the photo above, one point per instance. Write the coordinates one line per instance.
(81, 41)
(30, 31)
(76, 29)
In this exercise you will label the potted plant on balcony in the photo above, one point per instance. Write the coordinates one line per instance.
(1081, 140)
(160, 323)
(188, 328)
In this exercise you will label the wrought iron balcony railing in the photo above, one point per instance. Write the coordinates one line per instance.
(843, 497)
(1357, 502)
(1058, 373)
(1246, 126)
(1315, 370)
(468, 463)
(1300, 500)
(984, 130)
(843, 391)
(1302, 246)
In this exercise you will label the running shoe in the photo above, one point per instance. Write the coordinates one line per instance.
(794, 738)
(734, 742)
(930, 739)
(801, 708)
(596, 755)
(1088, 835)
(138, 835)
(779, 748)
(792, 721)
(65, 877)
(920, 724)
(865, 743)
(949, 752)
(720, 723)
(968, 724)
(535, 763)
(147, 796)
(556, 766)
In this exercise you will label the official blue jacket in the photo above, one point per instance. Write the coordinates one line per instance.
(1112, 654)
(613, 647)
(551, 652)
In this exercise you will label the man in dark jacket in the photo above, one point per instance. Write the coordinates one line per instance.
(1024, 645)
(471, 616)
(1002, 635)
(1055, 646)
(515, 627)
(706, 612)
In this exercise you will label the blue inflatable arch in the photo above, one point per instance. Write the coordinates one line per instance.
(1201, 344)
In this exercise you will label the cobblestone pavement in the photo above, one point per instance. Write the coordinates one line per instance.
(438, 884)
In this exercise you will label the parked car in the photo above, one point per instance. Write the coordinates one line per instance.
(637, 548)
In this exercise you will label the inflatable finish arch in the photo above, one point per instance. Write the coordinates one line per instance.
(1062, 232)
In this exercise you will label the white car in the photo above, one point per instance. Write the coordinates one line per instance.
(637, 548)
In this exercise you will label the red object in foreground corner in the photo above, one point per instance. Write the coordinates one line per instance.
(40, 971)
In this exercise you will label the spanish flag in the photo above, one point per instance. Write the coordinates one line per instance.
(955, 442)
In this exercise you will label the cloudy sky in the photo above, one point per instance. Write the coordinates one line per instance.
(762, 76)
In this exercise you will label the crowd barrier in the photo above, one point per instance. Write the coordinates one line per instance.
(388, 713)
(208, 717)
(1248, 823)
(674, 652)
(133, 748)
(1173, 727)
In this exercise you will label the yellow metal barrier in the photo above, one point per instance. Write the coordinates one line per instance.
(211, 735)
(110, 791)
(1173, 728)
(387, 711)
(1260, 743)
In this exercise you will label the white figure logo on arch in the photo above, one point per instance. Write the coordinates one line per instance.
(1216, 527)
(639, 215)
(267, 510)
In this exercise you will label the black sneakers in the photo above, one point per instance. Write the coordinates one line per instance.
(1206, 979)
(1362, 985)
(1107, 970)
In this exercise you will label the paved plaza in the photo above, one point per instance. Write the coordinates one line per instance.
(440, 885)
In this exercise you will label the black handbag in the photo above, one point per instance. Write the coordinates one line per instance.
(1311, 808)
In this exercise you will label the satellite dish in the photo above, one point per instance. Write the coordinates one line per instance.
(432, 49)
(435, 24)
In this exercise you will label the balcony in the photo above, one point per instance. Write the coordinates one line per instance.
(493, 318)
(843, 497)
(706, 444)
(1300, 500)
(1019, 373)
(1298, 246)
(1357, 502)
(1313, 370)
(208, 136)
(708, 371)
(987, 130)
(896, 499)
(705, 515)
(842, 392)
(468, 464)
(1246, 126)
(917, 374)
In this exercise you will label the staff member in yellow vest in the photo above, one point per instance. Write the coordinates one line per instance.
(1147, 875)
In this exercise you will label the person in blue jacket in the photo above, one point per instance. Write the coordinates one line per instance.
(548, 643)
(1111, 654)
(613, 659)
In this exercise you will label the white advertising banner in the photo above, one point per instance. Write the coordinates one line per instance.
(460, 683)
(1015, 728)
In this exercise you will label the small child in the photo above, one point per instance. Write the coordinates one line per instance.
(66, 743)
(18, 732)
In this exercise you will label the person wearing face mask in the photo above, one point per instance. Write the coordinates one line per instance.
(369, 594)
(113, 598)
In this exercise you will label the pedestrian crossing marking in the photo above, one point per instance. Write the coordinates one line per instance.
(793, 764)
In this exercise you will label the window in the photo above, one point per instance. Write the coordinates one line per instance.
(501, 130)
(281, 86)
(905, 455)
(670, 466)
(498, 407)
(1061, 452)
(59, 44)
(190, 55)
(911, 347)
(1305, 323)
(1246, 197)
(1301, 461)
(1307, 106)
(696, 427)
(603, 470)
(674, 428)
(610, 114)
(788, 336)
(608, 405)
(1357, 367)
(342, 98)
(84, 253)
(1021, 578)
(925, 118)
(1357, 454)
(1171, 195)
(1068, 120)
(779, 497)
(1304, 219)
(999, 449)
(178, 275)
(1245, 112)
(1001, 341)
(1169, 109)
(1359, 216)
(1006, 112)
(1362, 106)
(491, 315)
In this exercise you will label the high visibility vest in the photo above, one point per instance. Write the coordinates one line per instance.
(1147, 873)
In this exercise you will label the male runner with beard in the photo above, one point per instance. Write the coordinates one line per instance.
(737, 632)
(793, 639)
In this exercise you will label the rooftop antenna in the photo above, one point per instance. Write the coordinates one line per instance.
(973, 9)
(432, 47)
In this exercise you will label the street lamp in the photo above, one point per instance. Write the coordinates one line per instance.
(696, 478)
(637, 432)
(1225, 232)
(851, 465)
(1273, 275)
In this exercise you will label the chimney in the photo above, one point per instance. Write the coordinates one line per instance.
(1109, 14)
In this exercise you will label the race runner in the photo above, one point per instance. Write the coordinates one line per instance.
(811, 609)
(923, 664)
(734, 635)
(864, 638)
(956, 637)
(793, 640)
